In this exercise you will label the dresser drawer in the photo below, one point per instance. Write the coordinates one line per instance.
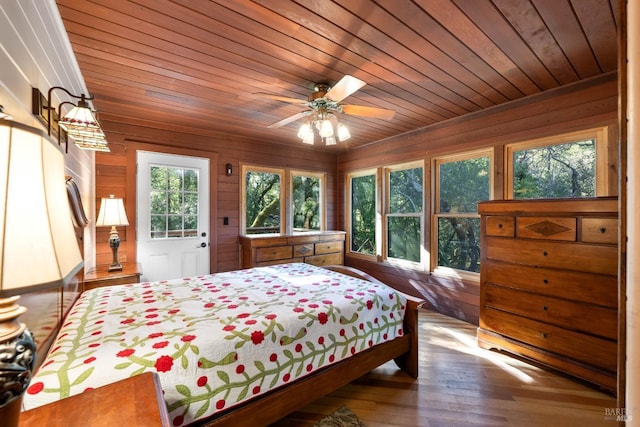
(503, 226)
(552, 228)
(274, 253)
(329, 247)
(583, 348)
(328, 259)
(572, 315)
(599, 230)
(575, 285)
(577, 257)
(303, 250)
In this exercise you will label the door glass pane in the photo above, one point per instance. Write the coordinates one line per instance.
(173, 202)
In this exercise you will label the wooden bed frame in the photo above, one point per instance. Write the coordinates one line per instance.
(278, 403)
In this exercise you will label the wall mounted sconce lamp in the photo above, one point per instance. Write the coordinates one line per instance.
(80, 122)
(229, 169)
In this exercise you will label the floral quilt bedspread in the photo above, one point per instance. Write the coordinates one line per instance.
(216, 340)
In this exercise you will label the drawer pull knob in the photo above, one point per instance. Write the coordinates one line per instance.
(545, 281)
(603, 230)
(544, 335)
(545, 308)
(499, 225)
(544, 253)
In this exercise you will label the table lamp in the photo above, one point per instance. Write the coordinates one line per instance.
(38, 247)
(112, 214)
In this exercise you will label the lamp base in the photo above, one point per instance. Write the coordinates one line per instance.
(114, 243)
(17, 356)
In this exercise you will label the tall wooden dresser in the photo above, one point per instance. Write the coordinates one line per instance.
(549, 288)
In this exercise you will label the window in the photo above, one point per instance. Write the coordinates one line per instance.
(267, 200)
(404, 213)
(460, 183)
(557, 167)
(363, 213)
(306, 201)
(174, 202)
(263, 201)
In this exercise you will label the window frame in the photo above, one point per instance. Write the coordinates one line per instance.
(349, 213)
(601, 137)
(243, 196)
(322, 202)
(286, 198)
(436, 215)
(387, 170)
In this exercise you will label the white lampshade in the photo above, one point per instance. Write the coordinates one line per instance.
(325, 129)
(112, 213)
(343, 132)
(38, 248)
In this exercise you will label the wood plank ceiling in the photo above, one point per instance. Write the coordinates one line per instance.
(196, 65)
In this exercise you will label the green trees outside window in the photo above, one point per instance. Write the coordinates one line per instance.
(461, 185)
(306, 203)
(173, 202)
(363, 214)
(262, 202)
(555, 171)
(404, 214)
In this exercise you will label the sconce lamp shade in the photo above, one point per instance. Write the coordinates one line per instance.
(112, 213)
(35, 218)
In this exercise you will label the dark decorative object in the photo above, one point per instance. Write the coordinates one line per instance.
(17, 357)
(229, 170)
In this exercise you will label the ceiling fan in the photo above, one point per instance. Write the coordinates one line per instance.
(323, 104)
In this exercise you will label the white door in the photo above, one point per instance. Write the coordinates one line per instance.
(172, 215)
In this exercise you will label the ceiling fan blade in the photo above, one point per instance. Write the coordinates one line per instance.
(289, 119)
(345, 87)
(283, 98)
(360, 110)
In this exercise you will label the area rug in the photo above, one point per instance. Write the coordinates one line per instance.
(342, 417)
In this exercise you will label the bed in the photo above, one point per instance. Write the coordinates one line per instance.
(244, 347)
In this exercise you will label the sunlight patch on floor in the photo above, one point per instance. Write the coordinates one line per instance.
(469, 345)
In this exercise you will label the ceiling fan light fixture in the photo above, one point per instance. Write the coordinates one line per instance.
(331, 140)
(308, 139)
(305, 130)
(325, 128)
(343, 132)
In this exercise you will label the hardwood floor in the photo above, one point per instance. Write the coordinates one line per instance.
(463, 385)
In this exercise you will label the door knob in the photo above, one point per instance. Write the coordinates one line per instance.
(202, 245)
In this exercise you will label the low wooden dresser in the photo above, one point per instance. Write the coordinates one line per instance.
(549, 287)
(317, 248)
(135, 401)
